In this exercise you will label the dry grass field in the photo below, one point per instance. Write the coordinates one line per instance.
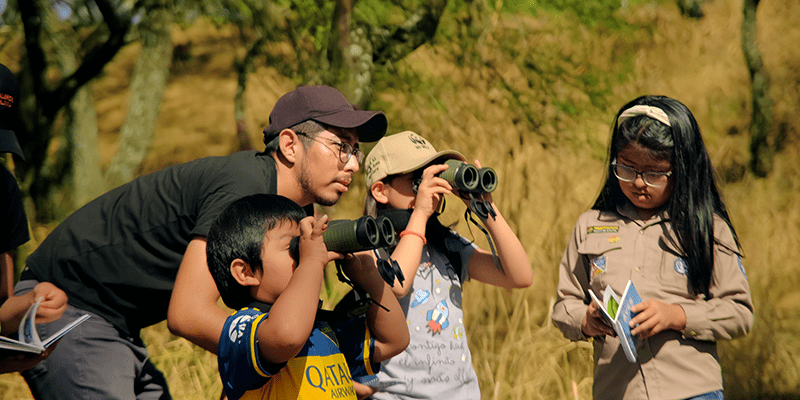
(534, 99)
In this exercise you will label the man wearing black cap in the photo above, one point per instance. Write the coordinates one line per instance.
(136, 255)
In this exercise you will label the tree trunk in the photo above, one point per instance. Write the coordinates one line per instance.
(81, 127)
(243, 69)
(359, 75)
(147, 87)
(340, 64)
(87, 179)
(761, 152)
(47, 166)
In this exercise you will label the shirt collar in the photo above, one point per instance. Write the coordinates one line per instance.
(627, 210)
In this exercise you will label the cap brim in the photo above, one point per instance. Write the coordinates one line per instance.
(370, 125)
(440, 157)
(9, 143)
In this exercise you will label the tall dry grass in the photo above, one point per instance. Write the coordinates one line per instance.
(533, 99)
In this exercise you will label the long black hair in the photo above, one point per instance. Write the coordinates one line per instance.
(695, 197)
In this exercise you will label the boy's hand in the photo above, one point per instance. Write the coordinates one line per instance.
(360, 268)
(53, 304)
(431, 190)
(312, 246)
(363, 391)
(593, 323)
(656, 316)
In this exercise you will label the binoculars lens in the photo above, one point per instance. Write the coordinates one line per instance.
(488, 180)
(461, 175)
(387, 232)
(347, 236)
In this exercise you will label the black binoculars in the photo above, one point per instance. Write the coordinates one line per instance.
(469, 178)
(350, 236)
(470, 181)
(365, 233)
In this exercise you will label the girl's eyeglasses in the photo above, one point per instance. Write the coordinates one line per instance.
(650, 178)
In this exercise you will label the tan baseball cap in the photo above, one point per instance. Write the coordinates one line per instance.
(400, 153)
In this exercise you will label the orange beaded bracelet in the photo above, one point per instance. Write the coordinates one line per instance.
(419, 235)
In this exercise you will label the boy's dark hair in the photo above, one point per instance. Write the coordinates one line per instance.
(238, 233)
(695, 197)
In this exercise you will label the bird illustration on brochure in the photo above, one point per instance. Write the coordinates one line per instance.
(617, 313)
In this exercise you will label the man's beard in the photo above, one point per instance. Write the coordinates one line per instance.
(308, 190)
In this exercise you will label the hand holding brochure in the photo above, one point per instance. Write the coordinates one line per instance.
(617, 312)
(29, 340)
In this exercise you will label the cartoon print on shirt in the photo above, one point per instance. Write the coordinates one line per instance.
(458, 331)
(437, 317)
(420, 297)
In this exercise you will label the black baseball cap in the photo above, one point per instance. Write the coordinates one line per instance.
(328, 106)
(9, 96)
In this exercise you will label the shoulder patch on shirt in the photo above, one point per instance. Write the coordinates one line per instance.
(681, 267)
(741, 267)
(602, 229)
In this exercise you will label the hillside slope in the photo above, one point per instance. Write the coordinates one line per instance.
(533, 98)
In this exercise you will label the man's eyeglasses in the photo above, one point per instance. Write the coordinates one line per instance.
(650, 178)
(346, 150)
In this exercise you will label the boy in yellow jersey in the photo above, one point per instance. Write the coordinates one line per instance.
(278, 344)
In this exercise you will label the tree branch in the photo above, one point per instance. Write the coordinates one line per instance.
(95, 60)
(416, 31)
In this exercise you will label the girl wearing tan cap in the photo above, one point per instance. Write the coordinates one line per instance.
(403, 173)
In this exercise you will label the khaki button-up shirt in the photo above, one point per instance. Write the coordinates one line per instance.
(612, 248)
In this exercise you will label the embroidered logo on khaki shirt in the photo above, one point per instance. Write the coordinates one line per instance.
(602, 229)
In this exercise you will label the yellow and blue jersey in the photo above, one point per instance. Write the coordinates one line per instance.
(338, 351)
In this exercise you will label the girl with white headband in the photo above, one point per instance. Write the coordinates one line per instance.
(660, 223)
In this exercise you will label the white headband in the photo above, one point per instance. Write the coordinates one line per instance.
(652, 112)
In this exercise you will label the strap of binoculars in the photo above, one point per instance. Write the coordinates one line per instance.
(359, 292)
(468, 216)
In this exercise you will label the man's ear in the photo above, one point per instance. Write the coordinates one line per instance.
(244, 274)
(288, 145)
(378, 190)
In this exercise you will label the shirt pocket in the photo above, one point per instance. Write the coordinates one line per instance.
(601, 256)
(673, 274)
